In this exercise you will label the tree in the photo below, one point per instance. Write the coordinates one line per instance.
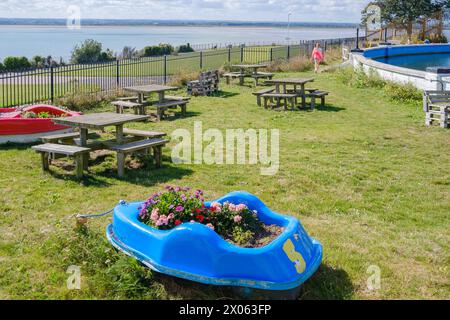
(128, 53)
(38, 61)
(184, 48)
(2, 67)
(16, 63)
(90, 51)
(405, 12)
(160, 50)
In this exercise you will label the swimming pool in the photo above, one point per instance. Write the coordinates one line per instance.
(418, 62)
(425, 66)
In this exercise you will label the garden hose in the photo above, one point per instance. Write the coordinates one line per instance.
(89, 216)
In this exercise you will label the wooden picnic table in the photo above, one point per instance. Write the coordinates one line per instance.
(98, 121)
(147, 89)
(245, 67)
(295, 82)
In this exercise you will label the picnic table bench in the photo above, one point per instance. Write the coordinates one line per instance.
(317, 94)
(124, 149)
(161, 107)
(278, 97)
(122, 104)
(72, 151)
(259, 93)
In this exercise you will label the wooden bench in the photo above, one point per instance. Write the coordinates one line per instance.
(71, 151)
(278, 97)
(234, 75)
(143, 134)
(120, 105)
(124, 149)
(161, 107)
(317, 94)
(259, 93)
(132, 99)
(262, 75)
(64, 138)
(176, 98)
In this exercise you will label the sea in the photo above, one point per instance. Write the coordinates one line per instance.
(59, 41)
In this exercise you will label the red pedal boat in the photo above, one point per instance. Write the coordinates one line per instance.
(30, 123)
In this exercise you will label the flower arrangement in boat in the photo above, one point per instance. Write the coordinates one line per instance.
(233, 221)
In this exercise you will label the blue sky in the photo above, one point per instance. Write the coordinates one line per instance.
(248, 10)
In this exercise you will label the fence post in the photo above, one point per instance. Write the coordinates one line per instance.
(242, 53)
(117, 73)
(201, 60)
(52, 85)
(165, 69)
(229, 55)
(288, 52)
(271, 54)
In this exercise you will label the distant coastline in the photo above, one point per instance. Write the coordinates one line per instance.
(168, 23)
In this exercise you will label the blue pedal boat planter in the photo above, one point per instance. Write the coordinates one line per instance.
(194, 252)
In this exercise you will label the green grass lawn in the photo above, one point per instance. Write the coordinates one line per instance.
(365, 176)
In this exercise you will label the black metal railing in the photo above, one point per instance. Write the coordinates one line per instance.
(45, 85)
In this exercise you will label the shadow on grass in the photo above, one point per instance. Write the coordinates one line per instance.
(224, 94)
(329, 108)
(88, 180)
(17, 146)
(177, 116)
(148, 176)
(326, 284)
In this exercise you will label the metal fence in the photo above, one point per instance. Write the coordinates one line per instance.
(45, 85)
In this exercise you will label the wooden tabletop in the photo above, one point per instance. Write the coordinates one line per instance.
(150, 88)
(99, 120)
(290, 80)
(249, 66)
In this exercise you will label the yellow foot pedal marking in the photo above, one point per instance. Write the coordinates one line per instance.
(294, 256)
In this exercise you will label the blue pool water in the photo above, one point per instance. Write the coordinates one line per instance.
(418, 62)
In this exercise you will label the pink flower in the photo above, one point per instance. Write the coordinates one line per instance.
(155, 214)
(179, 208)
(217, 207)
(209, 225)
(241, 207)
(237, 219)
(171, 216)
(162, 221)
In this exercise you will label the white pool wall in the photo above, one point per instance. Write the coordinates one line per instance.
(421, 79)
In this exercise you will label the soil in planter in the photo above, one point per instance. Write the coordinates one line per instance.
(263, 236)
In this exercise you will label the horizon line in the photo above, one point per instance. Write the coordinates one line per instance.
(208, 21)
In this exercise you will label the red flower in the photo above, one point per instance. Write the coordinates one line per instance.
(177, 222)
(212, 209)
(198, 211)
(200, 218)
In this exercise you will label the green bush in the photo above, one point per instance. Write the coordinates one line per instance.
(90, 51)
(185, 48)
(396, 92)
(160, 50)
(83, 101)
(2, 67)
(16, 63)
(402, 92)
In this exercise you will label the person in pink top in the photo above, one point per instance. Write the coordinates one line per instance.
(317, 56)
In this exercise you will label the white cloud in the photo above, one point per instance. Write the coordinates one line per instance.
(249, 10)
